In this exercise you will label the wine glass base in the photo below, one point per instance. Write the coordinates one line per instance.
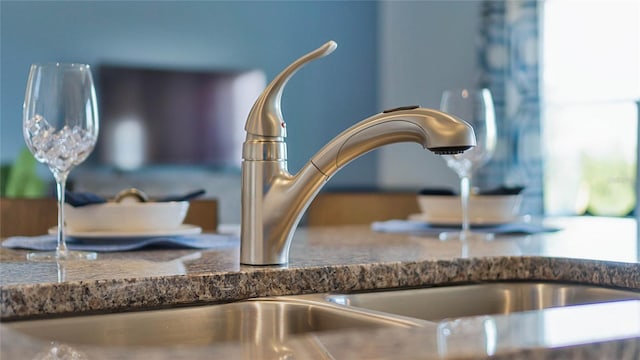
(55, 256)
(465, 236)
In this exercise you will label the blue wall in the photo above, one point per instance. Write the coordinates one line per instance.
(319, 102)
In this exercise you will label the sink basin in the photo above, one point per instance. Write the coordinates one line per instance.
(438, 303)
(255, 321)
(275, 320)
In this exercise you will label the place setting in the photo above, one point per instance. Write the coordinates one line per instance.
(60, 128)
(472, 214)
(129, 221)
(491, 213)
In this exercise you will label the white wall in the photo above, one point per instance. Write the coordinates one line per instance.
(424, 48)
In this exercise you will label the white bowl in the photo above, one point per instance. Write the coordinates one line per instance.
(483, 209)
(126, 216)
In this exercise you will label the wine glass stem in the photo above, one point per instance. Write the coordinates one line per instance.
(465, 186)
(61, 183)
(62, 271)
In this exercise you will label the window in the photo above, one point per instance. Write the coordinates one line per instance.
(591, 83)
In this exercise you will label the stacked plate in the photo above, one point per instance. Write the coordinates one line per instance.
(128, 220)
(483, 209)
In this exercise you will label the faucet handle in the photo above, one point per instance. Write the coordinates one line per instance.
(265, 118)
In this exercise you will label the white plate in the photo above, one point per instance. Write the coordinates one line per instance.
(184, 229)
(476, 221)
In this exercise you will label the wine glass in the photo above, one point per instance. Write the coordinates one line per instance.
(60, 127)
(474, 106)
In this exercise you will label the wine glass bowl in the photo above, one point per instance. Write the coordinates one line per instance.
(60, 150)
(60, 128)
(475, 106)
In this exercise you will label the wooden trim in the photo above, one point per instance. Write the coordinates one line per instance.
(360, 208)
(27, 216)
(203, 213)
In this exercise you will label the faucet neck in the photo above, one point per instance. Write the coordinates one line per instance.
(273, 203)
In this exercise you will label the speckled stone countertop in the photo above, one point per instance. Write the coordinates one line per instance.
(335, 259)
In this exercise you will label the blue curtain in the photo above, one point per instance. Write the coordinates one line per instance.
(509, 63)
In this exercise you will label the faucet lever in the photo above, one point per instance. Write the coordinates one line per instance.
(265, 118)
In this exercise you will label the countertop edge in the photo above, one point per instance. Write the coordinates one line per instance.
(84, 297)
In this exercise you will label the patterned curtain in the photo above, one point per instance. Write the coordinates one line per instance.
(509, 63)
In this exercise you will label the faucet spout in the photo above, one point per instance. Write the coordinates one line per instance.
(273, 200)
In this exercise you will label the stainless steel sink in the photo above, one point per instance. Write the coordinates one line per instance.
(438, 303)
(255, 321)
(275, 320)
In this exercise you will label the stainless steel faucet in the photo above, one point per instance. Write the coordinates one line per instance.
(273, 200)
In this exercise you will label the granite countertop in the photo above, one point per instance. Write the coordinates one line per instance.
(597, 251)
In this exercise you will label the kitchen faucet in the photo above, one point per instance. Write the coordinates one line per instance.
(273, 200)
